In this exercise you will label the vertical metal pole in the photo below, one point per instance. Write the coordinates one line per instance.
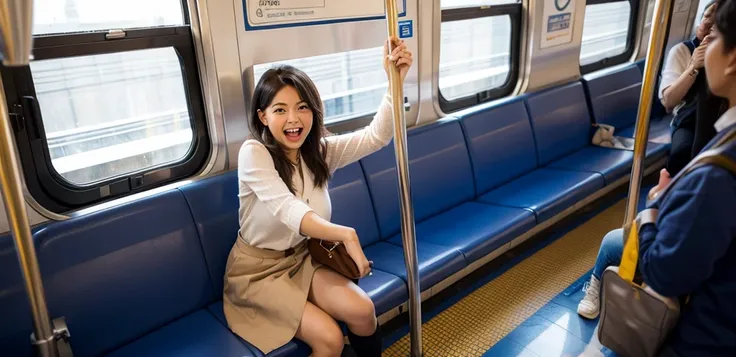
(407, 211)
(660, 22)
(16, 19)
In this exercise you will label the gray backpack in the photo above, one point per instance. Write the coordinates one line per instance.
(635, 320)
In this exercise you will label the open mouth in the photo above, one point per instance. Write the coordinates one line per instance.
(293, 134)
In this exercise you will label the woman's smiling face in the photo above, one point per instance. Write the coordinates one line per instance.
(288, 117)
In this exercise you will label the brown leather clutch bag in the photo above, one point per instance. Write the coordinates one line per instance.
(335, 256)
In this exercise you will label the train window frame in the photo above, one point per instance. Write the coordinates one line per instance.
(43, 182)
(630, 39)
(514, 12)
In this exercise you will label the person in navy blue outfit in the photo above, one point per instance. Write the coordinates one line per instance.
(706, 103)
(690, 251)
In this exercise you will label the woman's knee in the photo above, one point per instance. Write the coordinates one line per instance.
(362, 312)
(333, 342)
(320, 332)
(613, 239)
(329, 342)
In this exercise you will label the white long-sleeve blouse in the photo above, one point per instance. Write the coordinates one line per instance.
(270, 215)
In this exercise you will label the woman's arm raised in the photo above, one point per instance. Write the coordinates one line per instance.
(348, 148)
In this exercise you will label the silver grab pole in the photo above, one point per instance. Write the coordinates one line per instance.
(654, 56)
(16, 19)
(407, 211)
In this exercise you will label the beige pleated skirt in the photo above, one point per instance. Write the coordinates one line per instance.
(265, 293)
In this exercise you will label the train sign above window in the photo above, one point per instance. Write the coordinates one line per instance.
(559, 16)
(271, 14)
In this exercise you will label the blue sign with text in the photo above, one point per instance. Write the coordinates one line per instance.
(406, 29)
(558, 22)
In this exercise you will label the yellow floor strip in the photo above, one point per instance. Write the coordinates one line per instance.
(478, 321)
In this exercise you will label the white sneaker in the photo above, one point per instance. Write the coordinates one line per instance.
(590, 306)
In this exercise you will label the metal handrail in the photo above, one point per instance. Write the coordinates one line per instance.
(16, 19)
(402, 168)
(653, 59)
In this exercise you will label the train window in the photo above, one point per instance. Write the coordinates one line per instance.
(351, 84)
(54, 16)
(102, 114)
(479, 49)
(607, 34)
(140, 117)
(474, 56)
(448, 4)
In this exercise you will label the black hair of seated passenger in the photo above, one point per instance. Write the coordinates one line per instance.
(726, 23)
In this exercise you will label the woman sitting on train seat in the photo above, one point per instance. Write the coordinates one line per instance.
(274, 291)
(684, 91)
(612, 245)
(691, 251)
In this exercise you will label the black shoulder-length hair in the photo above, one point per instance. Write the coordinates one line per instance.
(725, 21)
(313, 151)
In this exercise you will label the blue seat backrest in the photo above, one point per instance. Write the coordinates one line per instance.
(500, 141)
(122, 272)
(657, 107)
(614, 95)
(214, 205)
(15, 313)
(351, 203)
(641, 63)
(560, 121)
(440, 173)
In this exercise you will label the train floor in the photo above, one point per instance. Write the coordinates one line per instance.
(525, 304)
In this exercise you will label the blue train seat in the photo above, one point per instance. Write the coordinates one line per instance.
(15, 323)
(563, 131)
(121, 273)
(437, 160)
(507, 154)
(352, 207)
(293, 348)
(442, 192)
(197, 335)
(614, 97)
(214, 206)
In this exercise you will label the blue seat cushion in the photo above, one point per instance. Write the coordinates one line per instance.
(658, 128)
(387, 291)
(613, 164)
(656, 151)
(199, 334)
(291, 349)
(137, 266)
(546, 191)
(475, 229)
(435, 262)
